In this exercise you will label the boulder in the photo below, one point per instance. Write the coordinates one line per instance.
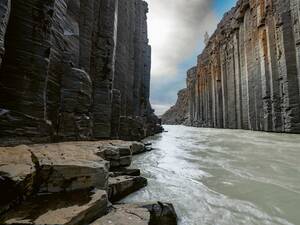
(70, 208)
(125, 215)
(161, 213)
(137, 148)
(120, 187)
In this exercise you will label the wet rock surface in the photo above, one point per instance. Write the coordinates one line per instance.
(161, 213)
(248, 76)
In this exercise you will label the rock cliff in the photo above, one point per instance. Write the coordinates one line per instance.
(248, 76)
(179, 113)
(74, 70)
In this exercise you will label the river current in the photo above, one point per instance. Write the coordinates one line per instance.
(223, 177)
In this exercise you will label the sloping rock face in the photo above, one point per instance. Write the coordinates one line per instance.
(179, 113)
(70, 70)
(248, 76)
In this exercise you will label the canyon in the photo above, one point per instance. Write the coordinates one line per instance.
(74, 101)
(248, 75)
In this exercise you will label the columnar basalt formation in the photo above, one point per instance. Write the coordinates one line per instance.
(248, 76)
(74, 70)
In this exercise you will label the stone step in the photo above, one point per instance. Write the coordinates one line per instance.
(120, 187)
(70, 208)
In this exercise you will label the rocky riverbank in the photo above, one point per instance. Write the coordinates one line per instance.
(75, 183)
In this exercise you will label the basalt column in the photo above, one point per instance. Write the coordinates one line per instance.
(24, 70)
(103, 65)
(4, 15)
(132, 71)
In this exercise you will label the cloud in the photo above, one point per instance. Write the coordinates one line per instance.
(176, 31)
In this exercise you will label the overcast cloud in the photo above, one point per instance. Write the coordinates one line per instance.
(176, 31)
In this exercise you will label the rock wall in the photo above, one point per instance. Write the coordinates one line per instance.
(248, 76)
(74, 70)
(179, 113)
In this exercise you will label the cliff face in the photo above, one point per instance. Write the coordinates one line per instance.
(248, 76)
(179, 113)
(74, 70)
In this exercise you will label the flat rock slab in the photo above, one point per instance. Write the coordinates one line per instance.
(72, 208)
(120, 187)
(70, 166)
(52, 168)
(17, 175)
(125, 215)
(155, 213)
(124, 172)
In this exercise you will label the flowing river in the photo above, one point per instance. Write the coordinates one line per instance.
(223, 177)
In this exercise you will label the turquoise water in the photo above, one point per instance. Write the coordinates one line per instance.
(223, 177)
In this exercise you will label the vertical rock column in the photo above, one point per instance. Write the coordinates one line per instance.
(191, 88)
(288, 67)
(142, 60)
(24, 70)
(4, 15)
(68, 63)
(125, 64)
(103, 66)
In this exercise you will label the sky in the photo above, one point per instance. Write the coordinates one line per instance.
(176, 33)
